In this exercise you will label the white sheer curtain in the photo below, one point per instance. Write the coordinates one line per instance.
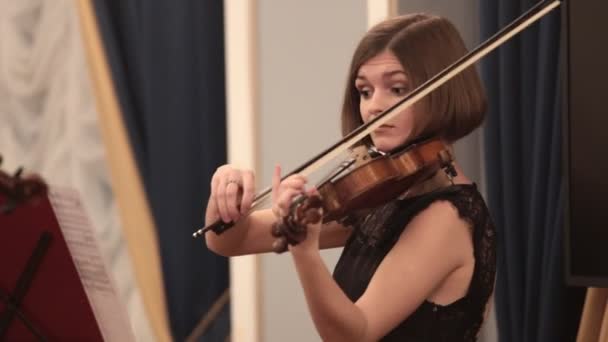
(48, 124)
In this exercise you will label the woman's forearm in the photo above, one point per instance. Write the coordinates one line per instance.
(336, 317)
(251, 234)
(227, 242)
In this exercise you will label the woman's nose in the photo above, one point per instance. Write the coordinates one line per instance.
(377, 104)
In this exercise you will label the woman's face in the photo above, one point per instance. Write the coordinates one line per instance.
(381, 82)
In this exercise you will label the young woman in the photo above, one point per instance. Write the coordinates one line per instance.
(419, 268)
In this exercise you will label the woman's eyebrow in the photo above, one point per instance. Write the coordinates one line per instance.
(392, 73)
(384, 75)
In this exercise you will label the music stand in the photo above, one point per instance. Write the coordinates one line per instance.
(44, 295)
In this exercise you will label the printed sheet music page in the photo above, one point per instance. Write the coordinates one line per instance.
(110, 312)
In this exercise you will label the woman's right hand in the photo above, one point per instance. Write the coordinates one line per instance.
(232, 193)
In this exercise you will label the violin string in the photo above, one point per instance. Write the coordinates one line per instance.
(345, 165)
(342, 167)
(335, 173)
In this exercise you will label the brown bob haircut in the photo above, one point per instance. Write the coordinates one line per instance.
(424, 45)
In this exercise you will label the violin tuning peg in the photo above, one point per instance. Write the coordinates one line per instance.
(313, 216)
(276, 230)
(279, 245)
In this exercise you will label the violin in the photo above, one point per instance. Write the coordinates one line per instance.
(373, 182)
(393, 174)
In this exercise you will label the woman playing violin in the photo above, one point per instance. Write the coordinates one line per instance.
(418, 268)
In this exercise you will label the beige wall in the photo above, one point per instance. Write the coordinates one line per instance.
(303, 53)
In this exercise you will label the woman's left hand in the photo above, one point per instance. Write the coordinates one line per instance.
(283, 194)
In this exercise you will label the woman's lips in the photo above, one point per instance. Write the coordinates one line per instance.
(383, 130)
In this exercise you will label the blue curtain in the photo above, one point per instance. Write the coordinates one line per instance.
(167, 61)
(525, 185)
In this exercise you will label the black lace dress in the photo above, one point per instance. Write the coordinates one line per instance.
(377, 233)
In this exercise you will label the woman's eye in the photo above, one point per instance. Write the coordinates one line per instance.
(364, 93)
(398, 90)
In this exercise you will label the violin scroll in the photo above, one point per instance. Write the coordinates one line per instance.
(292, 229)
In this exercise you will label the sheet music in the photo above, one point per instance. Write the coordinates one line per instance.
(80, 237)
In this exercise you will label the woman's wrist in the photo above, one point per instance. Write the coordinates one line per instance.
(304, 250)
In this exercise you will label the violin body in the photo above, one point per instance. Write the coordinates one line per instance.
(381, 179)
(368, 185)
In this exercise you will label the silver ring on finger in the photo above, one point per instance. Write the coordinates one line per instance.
(233, 181)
